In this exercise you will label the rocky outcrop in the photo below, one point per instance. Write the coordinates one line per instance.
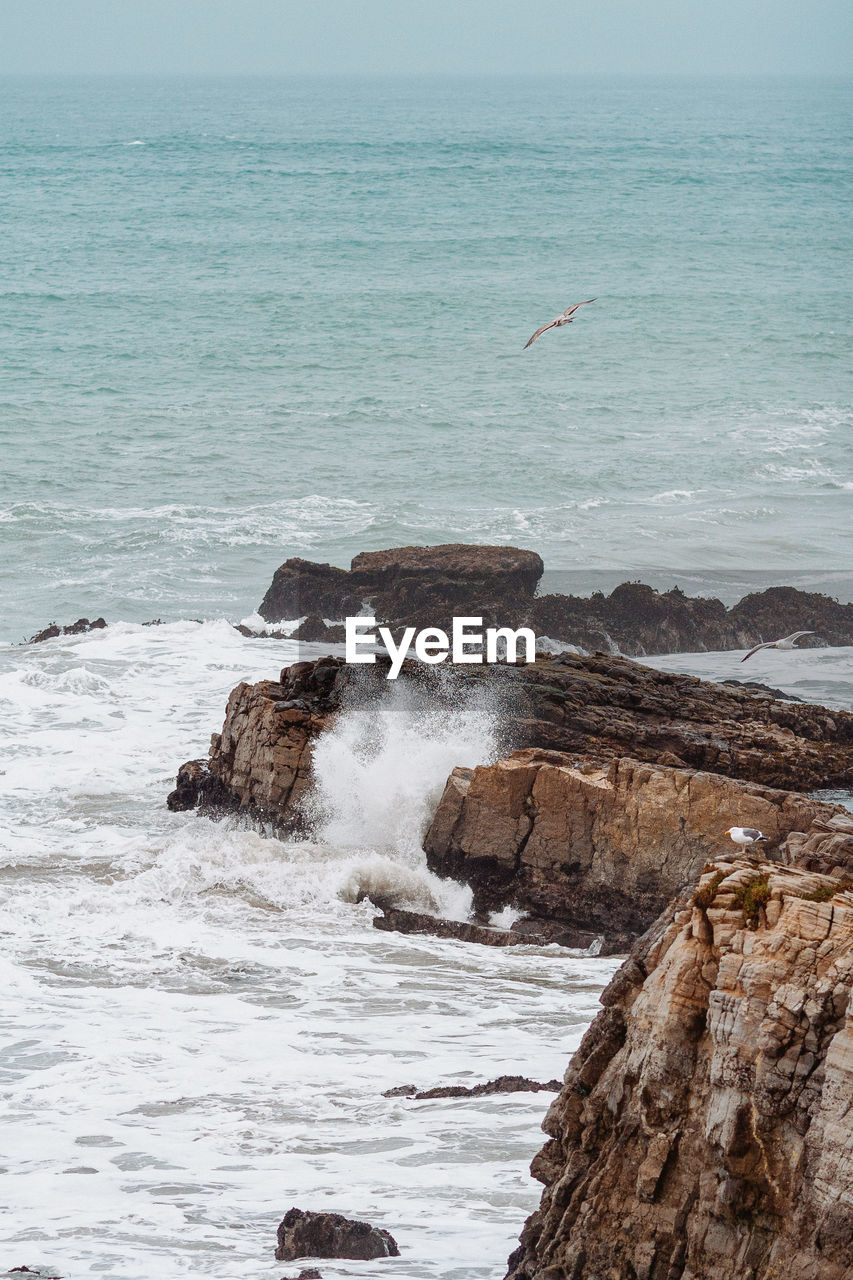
(78, 628)
(408, 583)
(635, 619)
(426, 586)
(304, 1234)
(594, 709)
(600, 849)
(530, 932)
(704, 1130)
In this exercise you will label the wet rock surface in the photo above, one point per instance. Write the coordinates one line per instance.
(426, 586)
(503, 1084)
(78, 628)
(704, 1129)
(305, 1234)
(409, 582)
(593, 709)
(600, 849)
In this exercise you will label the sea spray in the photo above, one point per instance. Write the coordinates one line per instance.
(379, 772)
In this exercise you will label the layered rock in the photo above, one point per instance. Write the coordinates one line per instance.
(601, 849)
(705, 1130)
(593, 708)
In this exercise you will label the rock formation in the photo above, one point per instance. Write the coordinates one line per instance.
(406, 583)
(78, 628)
(601, 849)
(304, 1234)
(705, 1129)
(425, 586)
(592, 708)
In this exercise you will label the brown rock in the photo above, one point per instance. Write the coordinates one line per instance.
(600, 850)
(594, 708)
(704, 1129)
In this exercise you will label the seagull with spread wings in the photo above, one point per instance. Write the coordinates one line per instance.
(564, 318)
(787, 642)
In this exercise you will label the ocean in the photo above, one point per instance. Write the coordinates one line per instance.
(249, 319)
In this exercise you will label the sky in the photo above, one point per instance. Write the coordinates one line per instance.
(287, 37)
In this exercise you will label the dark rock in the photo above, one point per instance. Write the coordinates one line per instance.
(307, 1273)
(763, 690)
(503, 1084)
(315, 630)
(408, 581)
(396, 920)
(78, 628)
(304, 1234)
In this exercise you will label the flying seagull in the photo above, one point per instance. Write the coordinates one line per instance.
(564, 318)
(787, 642)
(745, 835)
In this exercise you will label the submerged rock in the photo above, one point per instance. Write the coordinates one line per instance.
(503, 1084)
(704, 1128)
(304, 1234)
(531, 933)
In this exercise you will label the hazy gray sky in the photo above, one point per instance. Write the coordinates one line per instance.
(283, 36)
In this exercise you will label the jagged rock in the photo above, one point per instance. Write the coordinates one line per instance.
(826, 847)
(704, 1130)
(593, 708)
(503, 1084)
(304, 1234)
(425, 586)
(597, 849)
(78, 628)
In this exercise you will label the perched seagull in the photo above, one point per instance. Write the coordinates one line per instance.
(787, 642)
(745, 835)
(564, 318)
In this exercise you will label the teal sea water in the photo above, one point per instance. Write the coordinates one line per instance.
(242, 320)
(246, 319)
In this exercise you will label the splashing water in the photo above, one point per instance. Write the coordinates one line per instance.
(379, 772)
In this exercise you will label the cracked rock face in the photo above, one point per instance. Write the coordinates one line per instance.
(705, 1127)
(601, 849)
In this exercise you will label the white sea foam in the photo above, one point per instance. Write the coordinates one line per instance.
(204, 1019)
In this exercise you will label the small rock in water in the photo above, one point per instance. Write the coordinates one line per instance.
(78, 628)
(305, 1234)
(307, 1273)
(503, 1084)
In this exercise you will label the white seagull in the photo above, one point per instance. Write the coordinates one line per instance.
(565, 317)
(787, 642)
(745, 835)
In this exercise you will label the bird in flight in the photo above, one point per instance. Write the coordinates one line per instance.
(564, 318)
(787, 642)
(745, 835)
